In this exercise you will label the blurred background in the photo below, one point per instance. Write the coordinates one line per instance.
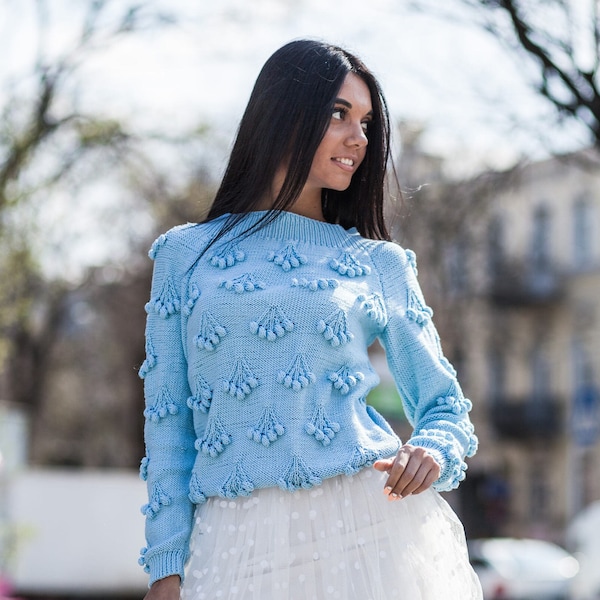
(116, 118)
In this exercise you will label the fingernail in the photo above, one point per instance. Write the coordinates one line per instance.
(387, 490)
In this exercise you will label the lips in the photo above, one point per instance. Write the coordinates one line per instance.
(346, 163)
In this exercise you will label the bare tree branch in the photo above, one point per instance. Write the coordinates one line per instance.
(44, 137)
(51, 78)
(528, 28)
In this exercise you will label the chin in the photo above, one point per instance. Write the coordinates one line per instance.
(342, 187)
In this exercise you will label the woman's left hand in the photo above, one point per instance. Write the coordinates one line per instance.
(412, 471)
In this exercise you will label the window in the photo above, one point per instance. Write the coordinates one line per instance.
(585, 406)
(540, 374)
(583, 219)
(540, 240)
(495, 249)
(456, 266)
(497, 376)
(539, 493)
(582, 371)
(459, 362)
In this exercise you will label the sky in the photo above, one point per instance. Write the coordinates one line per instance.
(446, 75)
(452, 79)
(443, 75)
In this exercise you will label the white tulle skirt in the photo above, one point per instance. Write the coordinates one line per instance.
(343, 539)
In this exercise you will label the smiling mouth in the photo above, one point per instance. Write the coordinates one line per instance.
(345, 161)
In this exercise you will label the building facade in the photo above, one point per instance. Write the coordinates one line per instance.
(511, 265)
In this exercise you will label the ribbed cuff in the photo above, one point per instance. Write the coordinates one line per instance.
(166, 563)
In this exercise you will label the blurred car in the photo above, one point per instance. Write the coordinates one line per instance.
(584, 542)
(522, 569)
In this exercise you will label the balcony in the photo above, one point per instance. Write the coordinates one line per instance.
(525, 419)
(520, 284)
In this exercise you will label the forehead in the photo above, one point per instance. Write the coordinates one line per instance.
(355, 91)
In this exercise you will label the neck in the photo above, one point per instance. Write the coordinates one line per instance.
(308, 204)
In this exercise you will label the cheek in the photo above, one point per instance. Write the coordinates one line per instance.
(321, 159)
(363, 154)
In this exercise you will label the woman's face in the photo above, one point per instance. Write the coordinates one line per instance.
(344, 145)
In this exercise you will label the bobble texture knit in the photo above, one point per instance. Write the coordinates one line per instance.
(256, 368)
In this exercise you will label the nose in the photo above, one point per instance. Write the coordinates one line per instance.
(357, 137)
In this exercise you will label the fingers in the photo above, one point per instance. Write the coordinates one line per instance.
(385, 464)
(411, 472)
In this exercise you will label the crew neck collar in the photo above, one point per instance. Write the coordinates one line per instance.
(291, 226)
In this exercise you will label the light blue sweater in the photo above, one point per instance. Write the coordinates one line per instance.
(256, 368)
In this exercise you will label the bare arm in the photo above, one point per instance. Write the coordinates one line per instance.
(165, 589)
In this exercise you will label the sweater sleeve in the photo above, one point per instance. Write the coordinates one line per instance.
(432, 398)
(168, 431)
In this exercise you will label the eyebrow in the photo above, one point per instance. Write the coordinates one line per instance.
(349, 105)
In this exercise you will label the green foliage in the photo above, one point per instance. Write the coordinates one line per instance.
(49, 145)
(103, 133)
(19, 276)
(67, 171)
(386, 400)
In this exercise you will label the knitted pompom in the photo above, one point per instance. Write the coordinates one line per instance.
(417, 311)
(144, 468)
(315, 285)
(348, 265)
(268, 428)
(241, 382)
(167, 302)
(344, 379)
(161, 240)
(334, 328)
(298, 375)
(244, 283)
(196, 495)
(214, 440)
(298, 476)
(272, 325)
(288, 258)
(237, 484)
(227, 256)
(163, 405)
(158, 499)
(411, 257)
(202, 397)
(210, 332)
(321, 427)
(374, 308)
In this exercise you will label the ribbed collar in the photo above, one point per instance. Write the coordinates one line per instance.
(293, 227)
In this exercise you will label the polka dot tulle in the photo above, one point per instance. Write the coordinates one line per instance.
(341, 540)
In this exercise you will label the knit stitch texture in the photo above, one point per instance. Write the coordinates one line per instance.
(257, 370)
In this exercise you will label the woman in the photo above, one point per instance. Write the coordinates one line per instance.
(260, 446)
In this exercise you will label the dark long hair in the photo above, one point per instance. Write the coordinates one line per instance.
(286, 118)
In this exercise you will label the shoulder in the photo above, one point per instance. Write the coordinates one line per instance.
(397, 269)
(182, 245)
(390, 255)
(190, 237)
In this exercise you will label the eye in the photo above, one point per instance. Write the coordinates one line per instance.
(366, 126)
(339, 113)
